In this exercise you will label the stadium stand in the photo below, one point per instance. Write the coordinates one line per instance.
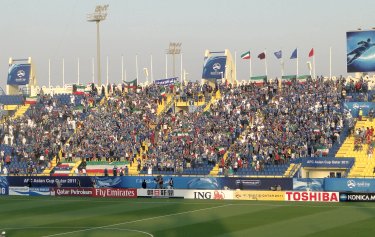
(243, 130)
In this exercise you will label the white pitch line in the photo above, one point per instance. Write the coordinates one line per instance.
(130, 222)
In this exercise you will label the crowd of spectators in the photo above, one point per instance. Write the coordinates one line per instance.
(257, 125)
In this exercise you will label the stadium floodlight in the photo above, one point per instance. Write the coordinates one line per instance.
(99, 15)
(174, 48)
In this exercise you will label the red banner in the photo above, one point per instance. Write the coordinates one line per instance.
(115, 192)
(312, 196)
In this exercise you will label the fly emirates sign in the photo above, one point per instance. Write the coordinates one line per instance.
(312, 196)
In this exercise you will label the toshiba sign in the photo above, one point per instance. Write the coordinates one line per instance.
(312, 196)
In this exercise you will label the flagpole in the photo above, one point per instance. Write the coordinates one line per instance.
(250, 73)
(63, 72)
(181, 71)
(314, 66)
(136, 67)
(93, 70)
(166, 66)
(235, 67)
(330, 62)
(152, 72)
(49, 73)
(265, 62)
(78, 71)
(122, 68)
(107, 70)
(297, 64)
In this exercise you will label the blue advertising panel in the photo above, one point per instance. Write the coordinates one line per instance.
(308, 184)
(360, 51)
(166, 82)
(327, 162)
(50, 181)
(4, 186)
(19, 74)
(354, 107)
(350, 185)
(214, 67)
(195, 182)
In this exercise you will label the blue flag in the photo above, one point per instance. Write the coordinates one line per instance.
(278, 54)
(294, 54)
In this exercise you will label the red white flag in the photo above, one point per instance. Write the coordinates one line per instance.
(311, 52)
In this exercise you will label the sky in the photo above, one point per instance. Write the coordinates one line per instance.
(58, 29)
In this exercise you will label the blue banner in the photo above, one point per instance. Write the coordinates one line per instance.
(51, 181)
(214, 67)
(4, 186)
(354, 107)
(166, 82)
(19, 74)
(327, 162)
(308, 184)
(195, 182)
(350, 185)
(360, 56)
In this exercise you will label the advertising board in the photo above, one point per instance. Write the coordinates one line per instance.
(357, 197)
(18, 191)
(115, 192)
(311, 196)
(360, 51)
(350, 185)
(80, 192)
(259, 195)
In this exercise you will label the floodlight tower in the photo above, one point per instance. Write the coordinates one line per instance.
(99, 15)
(174, 48)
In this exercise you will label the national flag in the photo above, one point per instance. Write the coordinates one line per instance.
(79, 89)
(221, 150)
(258, 80)
(262, 56)
(323, 150)
(131, 84)
(162, 92)
(31, 100)
(294, 54)
(278, 54)
(246, 55)
(311, 53)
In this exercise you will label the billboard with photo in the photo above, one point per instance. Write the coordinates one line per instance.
(19, 74)
(214, 67)
(360, 51)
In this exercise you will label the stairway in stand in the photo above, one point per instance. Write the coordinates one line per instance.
(21, 111)
(363, 166)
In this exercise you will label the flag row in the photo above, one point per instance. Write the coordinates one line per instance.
(278, 54)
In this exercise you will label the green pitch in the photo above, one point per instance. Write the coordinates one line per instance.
(86, 217)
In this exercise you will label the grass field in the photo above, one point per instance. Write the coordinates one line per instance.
(73, 217)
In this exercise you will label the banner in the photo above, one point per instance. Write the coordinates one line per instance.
(327, 162)
(4, 187)
(19, 191)
(80, 192)
(166, 82)
(160, 193)
(360, 56)
(115, 192)
(357, 197)
(259, 195)
(354, 107)
(40, 191)
(350, 185)
(19, 74)
(311, 196)
(48, 181)
(214, 67)
(209, 183)
(308, 184)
